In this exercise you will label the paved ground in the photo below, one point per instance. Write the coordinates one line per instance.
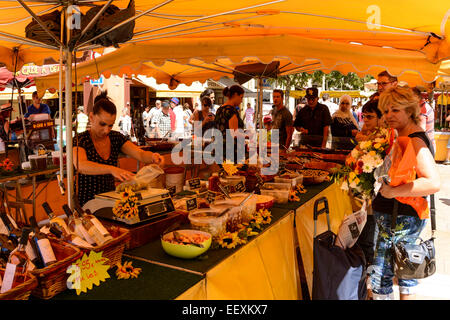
(437, 287)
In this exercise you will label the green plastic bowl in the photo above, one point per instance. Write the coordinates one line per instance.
(185, 251)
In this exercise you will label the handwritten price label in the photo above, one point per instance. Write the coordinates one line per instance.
(87, 271)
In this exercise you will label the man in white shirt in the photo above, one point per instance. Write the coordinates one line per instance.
(145, 120)
(333, 107)
(154, 112)
(179, 115)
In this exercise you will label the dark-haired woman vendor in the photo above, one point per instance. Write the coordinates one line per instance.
(96, 153)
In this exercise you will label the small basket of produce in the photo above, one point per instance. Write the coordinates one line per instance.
(22, 286)
(313, 176)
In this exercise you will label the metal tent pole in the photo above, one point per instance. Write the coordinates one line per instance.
(69, 150)
(258, 118)
(61, 121)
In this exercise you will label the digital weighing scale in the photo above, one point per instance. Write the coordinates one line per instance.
(153, 204)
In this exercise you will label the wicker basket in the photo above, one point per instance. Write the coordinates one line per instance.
(22, 290)
(113, 249)
(52, 279)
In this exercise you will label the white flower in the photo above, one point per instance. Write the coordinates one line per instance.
(378, 161)
(344, 186)
(353, 184)
(367, 168)
(355, 154)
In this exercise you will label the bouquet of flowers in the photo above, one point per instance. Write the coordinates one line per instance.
(126, 208)
(357, 176)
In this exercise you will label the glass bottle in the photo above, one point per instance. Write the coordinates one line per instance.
(43, 245)
(76, 225)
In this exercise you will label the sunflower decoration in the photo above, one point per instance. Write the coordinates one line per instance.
(299, 188)
(256, 221)
(245, 231)
(229, 167)
(127, 206)
(229, 240)
(265, 215)
(127, 271)
(293, 195)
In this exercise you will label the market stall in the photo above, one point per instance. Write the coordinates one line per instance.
(327, 37)
(264, 268)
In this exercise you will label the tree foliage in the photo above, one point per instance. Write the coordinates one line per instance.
(328, 81)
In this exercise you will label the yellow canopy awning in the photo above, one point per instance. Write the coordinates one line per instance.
(213, 61)
(361, 36)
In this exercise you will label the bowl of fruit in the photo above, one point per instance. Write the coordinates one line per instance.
(186, 244)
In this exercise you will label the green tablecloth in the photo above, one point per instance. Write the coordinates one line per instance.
(154, 283)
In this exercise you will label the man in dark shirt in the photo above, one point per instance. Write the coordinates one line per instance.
(37, 107)
(313, 121)
(282, 119)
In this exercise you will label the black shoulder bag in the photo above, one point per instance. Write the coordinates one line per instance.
(414, 261)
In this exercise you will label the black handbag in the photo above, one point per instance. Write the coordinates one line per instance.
(415, 261)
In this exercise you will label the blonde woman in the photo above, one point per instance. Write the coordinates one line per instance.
(343, 123)
(400, 108)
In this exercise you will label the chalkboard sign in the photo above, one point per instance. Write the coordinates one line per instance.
(240, 187)
(191, 204)
(260, 179)
(194, 184)
(211, 196)
(172, 190)
(222, 173)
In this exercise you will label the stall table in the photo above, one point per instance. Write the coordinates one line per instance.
(265, 268)
(20, 201)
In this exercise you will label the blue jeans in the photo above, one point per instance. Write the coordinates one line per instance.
(382, 273)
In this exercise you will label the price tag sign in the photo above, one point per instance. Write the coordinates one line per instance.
(222, 173)
(260, 179)
(282, 166)
(194, 184)
(172, 190)
(191, 204)
(240, 187)
(85, 272)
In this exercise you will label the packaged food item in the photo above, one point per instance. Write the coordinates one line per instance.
(233, 216)
(38, 162)
(280, 191)
(208, 220)
(292, 178)
(232, 181)
(56, 158)
(213, 182)
(247, 210)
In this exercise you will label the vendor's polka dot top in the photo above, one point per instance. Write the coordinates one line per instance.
(90, 185)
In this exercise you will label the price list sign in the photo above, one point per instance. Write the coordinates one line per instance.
(89, 270)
